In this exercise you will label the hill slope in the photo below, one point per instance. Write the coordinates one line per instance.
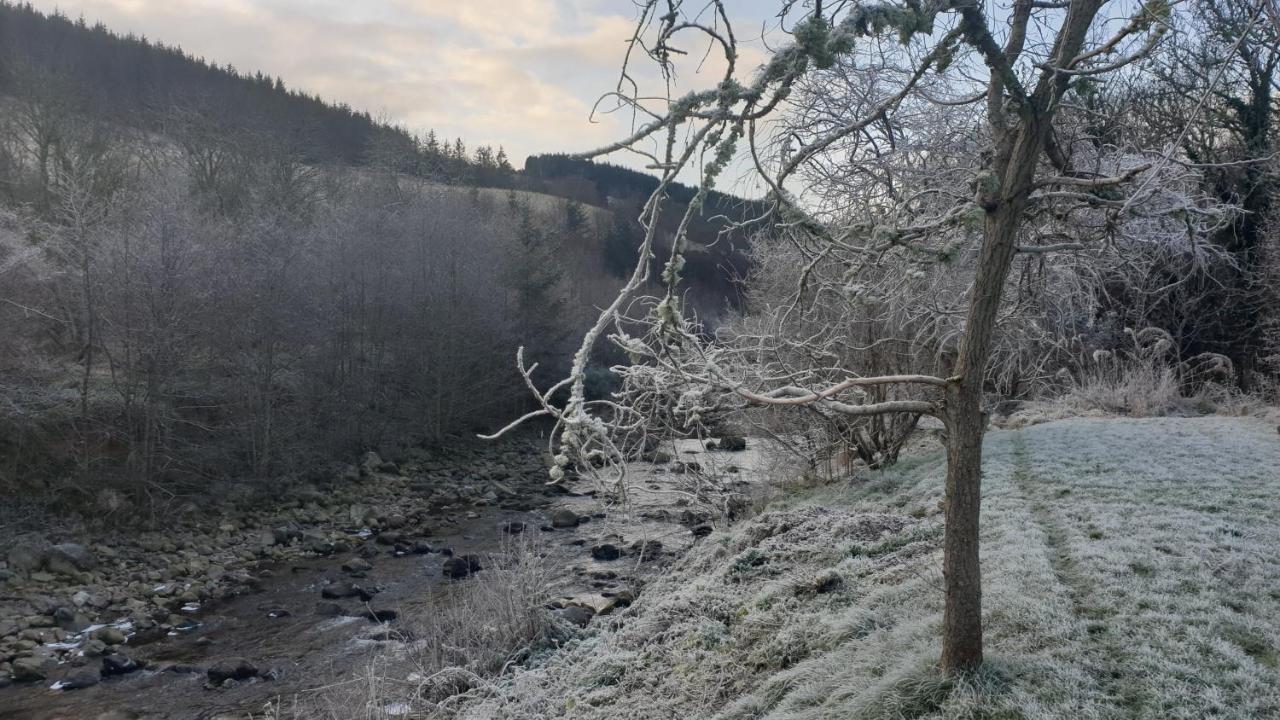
(1129, 567)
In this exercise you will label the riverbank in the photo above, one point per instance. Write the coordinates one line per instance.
(283, 590)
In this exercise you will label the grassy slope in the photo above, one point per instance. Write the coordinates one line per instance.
(1131, 572)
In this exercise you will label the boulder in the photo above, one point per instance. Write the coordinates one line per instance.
(338, 591)
(606, 552)
(69, 558)
(80, 679)
(576, 615)
(732, 443)
(110, 636)
(70, 620)
(231, 669)
(117, 664)
(29, 669)
(357, 565)
(25, 557)
(563, 518)
(461, 566)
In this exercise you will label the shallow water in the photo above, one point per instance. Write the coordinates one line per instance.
(307, 650)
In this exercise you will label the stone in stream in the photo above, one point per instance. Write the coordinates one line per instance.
(513, 527)
(380, 616)
(606, 552)
(647, 549)
(462, 566)
(576, 615)
(26, 557)
(339, 591)
(326, 609)
(110, 635)
(117, 664)
(81, 679)
(356, 565)
(29, 669)
(70, 620)
(564, 518)
(732, 443)
(69, 559)
(702, 530)
(231, 669)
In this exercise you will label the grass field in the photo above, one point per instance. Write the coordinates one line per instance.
(1132, 570)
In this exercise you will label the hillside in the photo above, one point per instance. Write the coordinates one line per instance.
(1128, 574)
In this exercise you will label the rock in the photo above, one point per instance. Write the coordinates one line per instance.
(81, 679)
(68, 559)
(646, 549)
(70, 620)
(381, 616)
(325, 609)
(28, 669)
(702, 530)
(117, 664)
(232, 669)
(732, 443)
(26, 557)
(563, 518)
(422, 547)
(514, 527)
(338, 591)
(617, 601)
(606, 552)
(356, 565)
(576, 615)
(372, 464)
(462, 566)
(110, 635)
(93, 647)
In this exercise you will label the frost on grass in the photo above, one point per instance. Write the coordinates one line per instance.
(1130, 573)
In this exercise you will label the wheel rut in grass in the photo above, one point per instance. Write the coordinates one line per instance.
(1103, 647)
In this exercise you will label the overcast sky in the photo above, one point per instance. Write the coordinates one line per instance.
(519, 73)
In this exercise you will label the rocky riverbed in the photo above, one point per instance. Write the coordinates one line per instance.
(258, 594)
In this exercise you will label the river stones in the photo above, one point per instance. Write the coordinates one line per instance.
(563, 518)
(339, 591)
(461, 566)
(80, 679)
(606, 552)
(25, 557)
(231, 669)
(69, 559)
(110, 635)
(357, 565)
(29, 669)
(117, 664)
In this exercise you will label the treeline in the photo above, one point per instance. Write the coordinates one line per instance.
(166, 324)
(132, 81)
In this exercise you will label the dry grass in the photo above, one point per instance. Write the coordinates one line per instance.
(452, 646)
(1130, 573)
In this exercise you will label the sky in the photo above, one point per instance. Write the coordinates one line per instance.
(523, 74)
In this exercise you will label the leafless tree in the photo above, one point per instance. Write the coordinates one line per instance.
(974, 197)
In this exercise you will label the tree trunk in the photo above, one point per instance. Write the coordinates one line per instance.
(961, 567)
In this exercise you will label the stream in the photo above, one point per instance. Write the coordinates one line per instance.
(290, 634)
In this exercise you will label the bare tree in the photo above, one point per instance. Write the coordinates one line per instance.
(1014, 70)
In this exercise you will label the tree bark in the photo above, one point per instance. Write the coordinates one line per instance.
(961, 565)
(965, 421)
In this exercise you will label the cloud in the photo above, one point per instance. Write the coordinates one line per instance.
(521, 73)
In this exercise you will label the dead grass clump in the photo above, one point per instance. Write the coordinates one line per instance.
(456, 643)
